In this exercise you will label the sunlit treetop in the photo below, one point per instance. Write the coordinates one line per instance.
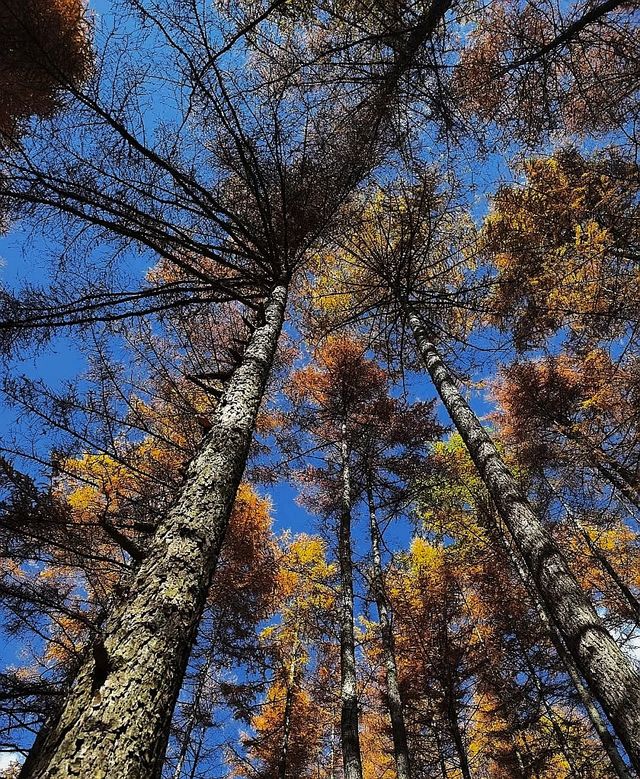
(409, 243)
(566, 248)
(535, 67)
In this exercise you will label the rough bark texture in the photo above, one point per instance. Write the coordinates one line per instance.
(116, 719)
(394, 701)
(288, 710)
(608, 743)
(613, 678)
(350, 737)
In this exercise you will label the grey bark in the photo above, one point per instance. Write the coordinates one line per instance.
(396, 710)
(288, 711)
(613, 678)
(116, 719)
(349, 732)
(607, 740)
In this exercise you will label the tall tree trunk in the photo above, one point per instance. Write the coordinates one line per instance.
(350, 737)
(196, 754)
(396, 711)
(611, 675)
(116, 720)
(607, 740)
(288, 711)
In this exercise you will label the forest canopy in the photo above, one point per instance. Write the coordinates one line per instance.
(320, 389)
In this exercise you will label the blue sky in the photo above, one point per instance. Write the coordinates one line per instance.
(62, 360)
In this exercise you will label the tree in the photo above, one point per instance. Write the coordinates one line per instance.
(266, 155)
(584, 403)
(565, 248)
(46, 45)
(454, 504)
(238, 237)
(373, 443)
(288, 728)
(408, 262)
(525, 68)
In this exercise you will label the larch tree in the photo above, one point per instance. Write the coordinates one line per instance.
(409, 267)
(215, 161)
(233, 229)
(45, 46)
(287, 731)
(584, 405)
(511, 632)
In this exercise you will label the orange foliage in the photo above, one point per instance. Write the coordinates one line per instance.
(564, 248)
(45, 46)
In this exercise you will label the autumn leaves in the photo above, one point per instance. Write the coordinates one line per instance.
(308, 206)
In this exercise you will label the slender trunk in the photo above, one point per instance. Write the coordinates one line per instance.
(288, 710)
(350, 738)
(193, 717)
(561, 738)
(615, 473)
(332, 771)
(438, 740)
(450, 686)
(599, 555)
(116, 720)
(607, 740)
(611, 675)
(196, 754)
(456, 733)
(396, 710)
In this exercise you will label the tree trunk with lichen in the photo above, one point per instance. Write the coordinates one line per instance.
(349, 731)
(116, 719)
(288, 712)
(612, 676)
(607, 740)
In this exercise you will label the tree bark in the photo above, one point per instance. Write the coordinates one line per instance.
(608, 743)
(288, 710)
(612, 676)
(396, 710)
(116, 719)
(350, 737)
